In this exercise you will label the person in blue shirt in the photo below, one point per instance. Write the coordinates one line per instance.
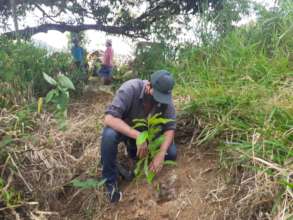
(77, 53)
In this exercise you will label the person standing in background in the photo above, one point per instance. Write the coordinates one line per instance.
(107, 63)
(78, 54)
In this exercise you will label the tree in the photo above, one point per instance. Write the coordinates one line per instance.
(133, 18)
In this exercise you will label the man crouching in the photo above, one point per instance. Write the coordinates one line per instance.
(137, 99)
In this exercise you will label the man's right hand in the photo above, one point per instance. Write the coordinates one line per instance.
(142, 150)
(120, 126)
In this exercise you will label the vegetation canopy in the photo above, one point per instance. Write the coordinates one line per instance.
(129, 18)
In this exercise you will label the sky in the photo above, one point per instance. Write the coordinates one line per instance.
(96, 40)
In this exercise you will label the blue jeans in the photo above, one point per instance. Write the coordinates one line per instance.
(109, 145)
(105, 71)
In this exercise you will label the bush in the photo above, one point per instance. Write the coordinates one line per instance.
(21, 71)
(150, 57)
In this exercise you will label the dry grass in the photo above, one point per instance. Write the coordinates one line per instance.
(46, 163)
(246, 194)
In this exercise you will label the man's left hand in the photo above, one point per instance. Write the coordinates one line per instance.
(158, 162)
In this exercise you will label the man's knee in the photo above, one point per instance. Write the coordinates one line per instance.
(110, 134)
(110, 138)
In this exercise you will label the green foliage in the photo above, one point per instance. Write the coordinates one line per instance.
(228, 13)
(240, 89)
(242, 92)
(150, 57)
(21, 68)
(9, 196)
(59, 95)
(152, 136)
(155, 19)
(77, 37)
(87, 184)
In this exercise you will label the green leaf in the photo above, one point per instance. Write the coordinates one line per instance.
(138, 167)
(170, 162)
(154, 116)
(150, 177)
(61, 101)
(50, 95)
(87, 184)
(65, 82)
(139, 120)
(141, 138)
(285, 183)
(146, 166)
(67, 94)
(157, 121)
(139, 124)
(49, 79)
(153, 132)
(154, 145)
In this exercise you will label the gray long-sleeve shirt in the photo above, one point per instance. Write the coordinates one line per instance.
(128, 104)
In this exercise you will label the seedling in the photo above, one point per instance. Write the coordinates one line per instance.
(152, 136)
(59, 96)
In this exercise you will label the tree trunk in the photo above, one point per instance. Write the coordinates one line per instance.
(13, 7)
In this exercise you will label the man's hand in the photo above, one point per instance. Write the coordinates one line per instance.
(158, 162)
(142, 150)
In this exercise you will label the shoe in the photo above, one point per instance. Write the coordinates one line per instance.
(128, 175)
(113, 192)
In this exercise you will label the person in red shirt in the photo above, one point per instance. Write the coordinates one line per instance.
(105, 71)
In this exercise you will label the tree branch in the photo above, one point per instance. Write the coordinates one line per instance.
(29, 31)
(44, 13)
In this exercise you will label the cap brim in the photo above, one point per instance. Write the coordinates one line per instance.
(162, 97)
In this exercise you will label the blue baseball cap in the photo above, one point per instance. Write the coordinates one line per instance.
(162, 83)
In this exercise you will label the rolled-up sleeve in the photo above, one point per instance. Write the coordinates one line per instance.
(170, 113)
(121, 102)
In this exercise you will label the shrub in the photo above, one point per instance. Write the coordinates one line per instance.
(21, 71)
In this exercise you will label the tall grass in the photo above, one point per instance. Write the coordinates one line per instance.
(241, 89)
